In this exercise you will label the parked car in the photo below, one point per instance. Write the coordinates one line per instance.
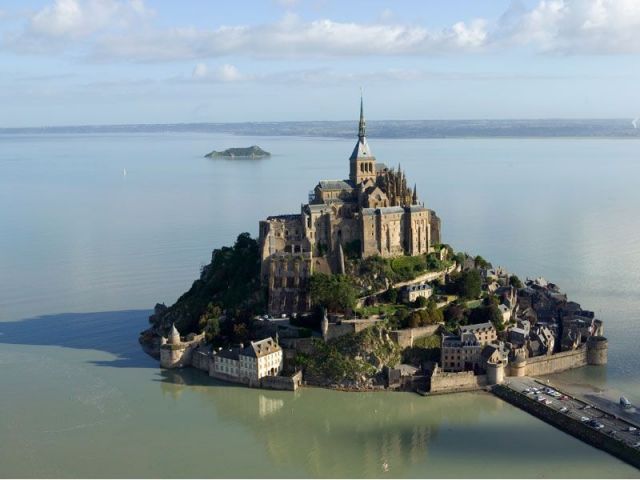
(595, 424)
(584, 419)
(564, 410)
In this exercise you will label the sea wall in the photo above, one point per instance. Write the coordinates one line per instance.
(282, 382)
(456, 382)
(557, 362)
(407, 336)
(570, 425)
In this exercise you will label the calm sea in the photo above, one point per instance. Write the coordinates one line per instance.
(86, 251)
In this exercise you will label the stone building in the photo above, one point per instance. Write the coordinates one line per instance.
(463, 351)
(249, 364)
(373, 212)
(411, 293)
(176, 352)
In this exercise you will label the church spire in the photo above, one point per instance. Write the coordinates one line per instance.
(362, 125)
(415, 194)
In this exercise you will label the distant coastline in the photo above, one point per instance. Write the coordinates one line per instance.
(390, 129)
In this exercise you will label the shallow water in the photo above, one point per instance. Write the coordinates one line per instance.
(77, 237)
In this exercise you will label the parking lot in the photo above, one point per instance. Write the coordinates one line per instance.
(606, 422)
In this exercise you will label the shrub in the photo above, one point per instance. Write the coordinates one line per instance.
(514, 281)
(336, 293)
(420, 302)
(468, 284)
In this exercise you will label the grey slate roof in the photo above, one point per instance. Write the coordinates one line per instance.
(384, 210)
(261, 348)
(362, 150)
(419, 287)
(285, 216)
(231, 353)
(475, 327)
(417, 208)
(336, 185)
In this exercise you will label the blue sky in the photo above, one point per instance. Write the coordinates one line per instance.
(71, 62)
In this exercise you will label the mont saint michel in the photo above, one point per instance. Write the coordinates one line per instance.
(319, 239)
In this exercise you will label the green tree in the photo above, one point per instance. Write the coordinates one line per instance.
(480, 262)
(468, 284)
(514, 281)
(209, 322)
(454, 314)
(459, 258)
(420, 302)
(336, 293)
(240, 332)
(391, 295)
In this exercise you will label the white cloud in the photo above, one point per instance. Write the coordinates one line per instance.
(63, 22)
(119, 30)
(291, 37)
(287, 3)
(580, 26)
(224, 73)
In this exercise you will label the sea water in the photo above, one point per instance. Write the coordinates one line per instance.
(86, 251)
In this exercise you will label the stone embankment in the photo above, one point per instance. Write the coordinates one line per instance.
(614, 436)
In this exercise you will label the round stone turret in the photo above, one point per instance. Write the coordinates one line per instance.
(597, 348)
(174, 335)
(518, 365)
(495, 372)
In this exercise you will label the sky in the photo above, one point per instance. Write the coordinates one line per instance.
(97, 62)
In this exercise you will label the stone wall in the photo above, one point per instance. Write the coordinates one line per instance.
(457, 382)
(201, 360)
(345, 327)
(225, 377)
(302, 345)
(557, 362)
(282, 382)
(570, 425)
(407, 336)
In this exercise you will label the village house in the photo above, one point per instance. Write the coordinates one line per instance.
(411, 293)
(248, 364)
(462, 352)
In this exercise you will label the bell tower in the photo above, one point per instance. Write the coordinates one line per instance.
(362, 163)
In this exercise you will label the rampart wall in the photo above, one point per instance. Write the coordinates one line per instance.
(407, 336)
(544, 365)
(457, 382)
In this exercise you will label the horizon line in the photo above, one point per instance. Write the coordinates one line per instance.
(262, 122)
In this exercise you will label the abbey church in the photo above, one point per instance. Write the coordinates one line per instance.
(374, 212)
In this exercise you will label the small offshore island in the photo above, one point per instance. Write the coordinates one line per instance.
(253, 151)
(357, 292)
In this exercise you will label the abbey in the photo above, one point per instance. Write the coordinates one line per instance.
(374, 212)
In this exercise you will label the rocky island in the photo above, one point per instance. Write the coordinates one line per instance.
(357, 291)
(253, 151)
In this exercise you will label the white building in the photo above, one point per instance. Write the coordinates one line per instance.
(249, 364)
(412, 292)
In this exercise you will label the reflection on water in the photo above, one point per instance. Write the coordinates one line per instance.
(371, 434)
(80, 398)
